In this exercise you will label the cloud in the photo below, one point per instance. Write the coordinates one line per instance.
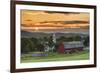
(67, 22)
(33, 16)
(53, 12)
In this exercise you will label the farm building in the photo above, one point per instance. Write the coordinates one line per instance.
(69, 47)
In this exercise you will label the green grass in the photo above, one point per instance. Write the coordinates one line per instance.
(83, 55)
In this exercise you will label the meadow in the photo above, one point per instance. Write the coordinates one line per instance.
(54, 56)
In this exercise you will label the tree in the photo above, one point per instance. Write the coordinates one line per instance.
(28, 44)
(86, 41)
(51, 44)
(62, 38)
(40, 47)
(77, 38)
(24, 45)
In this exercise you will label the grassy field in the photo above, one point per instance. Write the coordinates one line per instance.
(83, 55)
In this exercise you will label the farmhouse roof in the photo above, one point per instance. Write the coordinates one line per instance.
(73, 44)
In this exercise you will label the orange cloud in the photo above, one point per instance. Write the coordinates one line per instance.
(34, 18)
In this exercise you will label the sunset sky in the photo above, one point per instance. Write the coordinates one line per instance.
(53, 20)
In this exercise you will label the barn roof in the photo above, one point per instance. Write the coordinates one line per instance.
(73, 44)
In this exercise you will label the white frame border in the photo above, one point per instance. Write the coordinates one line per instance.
(52, 64)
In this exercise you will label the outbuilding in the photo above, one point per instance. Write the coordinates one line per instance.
(69, 47)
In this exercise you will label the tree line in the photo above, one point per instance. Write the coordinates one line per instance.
(38, 44)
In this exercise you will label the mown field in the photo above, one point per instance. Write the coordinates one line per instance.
(54, 56)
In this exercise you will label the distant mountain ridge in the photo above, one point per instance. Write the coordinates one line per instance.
(68, 33)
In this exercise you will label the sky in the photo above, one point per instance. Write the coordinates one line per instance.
(53, 20)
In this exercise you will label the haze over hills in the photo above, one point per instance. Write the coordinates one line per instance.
(64, 24)
(58, 33)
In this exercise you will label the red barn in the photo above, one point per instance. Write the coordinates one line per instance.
(69, 47)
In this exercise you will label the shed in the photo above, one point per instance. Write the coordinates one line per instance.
(69, 47)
